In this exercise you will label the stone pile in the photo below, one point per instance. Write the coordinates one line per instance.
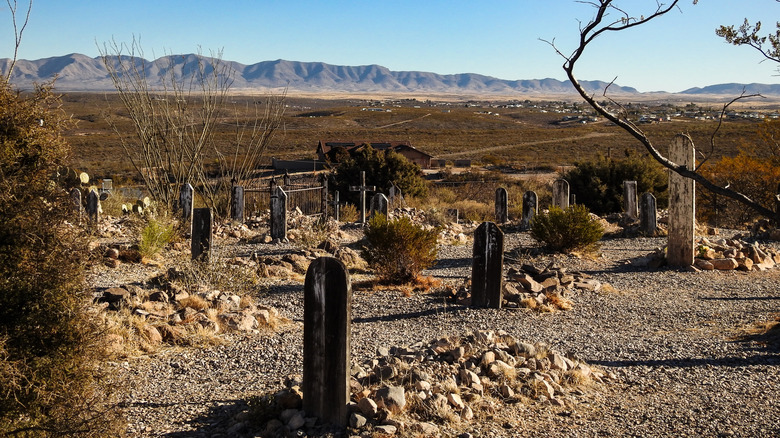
(541, 289)
(436, 388)
(731, 254)
(171, 312)
(721, 255)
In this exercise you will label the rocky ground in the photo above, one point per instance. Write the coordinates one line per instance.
(672, 352)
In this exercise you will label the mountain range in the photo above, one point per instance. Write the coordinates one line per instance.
(76, 72)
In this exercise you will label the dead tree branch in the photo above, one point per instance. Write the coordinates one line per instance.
(600, 25)
(18, 31)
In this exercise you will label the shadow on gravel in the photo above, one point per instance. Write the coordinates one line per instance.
(283, 289)
(739, 298)
(218, 419)
(409, 315)
(770, 359)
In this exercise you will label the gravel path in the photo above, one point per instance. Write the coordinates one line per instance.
(670, 337)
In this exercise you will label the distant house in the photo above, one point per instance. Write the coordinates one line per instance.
(327, 150)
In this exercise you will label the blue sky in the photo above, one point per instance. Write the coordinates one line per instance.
(492, 37)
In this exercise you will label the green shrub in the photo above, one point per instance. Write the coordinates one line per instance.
(155, 236)
(382, 168)
(49, 343)
(599, 184)
(398, 250)
(567, 230)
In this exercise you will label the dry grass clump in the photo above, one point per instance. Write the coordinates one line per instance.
(764, 333)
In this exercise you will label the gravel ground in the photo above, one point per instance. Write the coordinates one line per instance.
(671, 337)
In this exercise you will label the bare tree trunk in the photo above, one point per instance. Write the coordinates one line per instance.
(599, 25)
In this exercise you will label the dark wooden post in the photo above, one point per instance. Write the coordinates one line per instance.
(186, 202)
(327, 315)
(279, 214)
(75, 197)
(379, 204)
(502, 206)
(530, 208)
(202, 224)
(648, 215)
(237, 204)
(487, 268)
(93, 206)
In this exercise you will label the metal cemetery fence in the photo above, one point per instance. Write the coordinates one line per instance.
(307, 192)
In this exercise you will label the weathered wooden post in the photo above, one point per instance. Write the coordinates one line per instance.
(630, 195)
(560, 194)
(362, 188)
(93, 206)
(487, 266)
(379, 204)
(327, 315)
(186, 202)
(502, 206)
(648, 215)
(202, 224)
(336, 206)
(75, 198)
(394, 196)
(324, 196)
(530, 208)
(279, 214)
(237, 204)
(682, 205)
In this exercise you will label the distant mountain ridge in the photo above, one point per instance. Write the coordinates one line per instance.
(77, 72)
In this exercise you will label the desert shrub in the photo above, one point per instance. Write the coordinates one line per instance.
(155, 235)
(382, 168)
(754, 176)
(49, 346)
(348, 213)
(598, 184)
(398, 250)
(567, 230)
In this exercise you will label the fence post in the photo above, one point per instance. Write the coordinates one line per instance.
(327, 315)
(324, 196)
(202, 224)
(487, 266)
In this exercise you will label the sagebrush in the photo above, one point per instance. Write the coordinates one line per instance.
(398, 250)
(567, 230)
